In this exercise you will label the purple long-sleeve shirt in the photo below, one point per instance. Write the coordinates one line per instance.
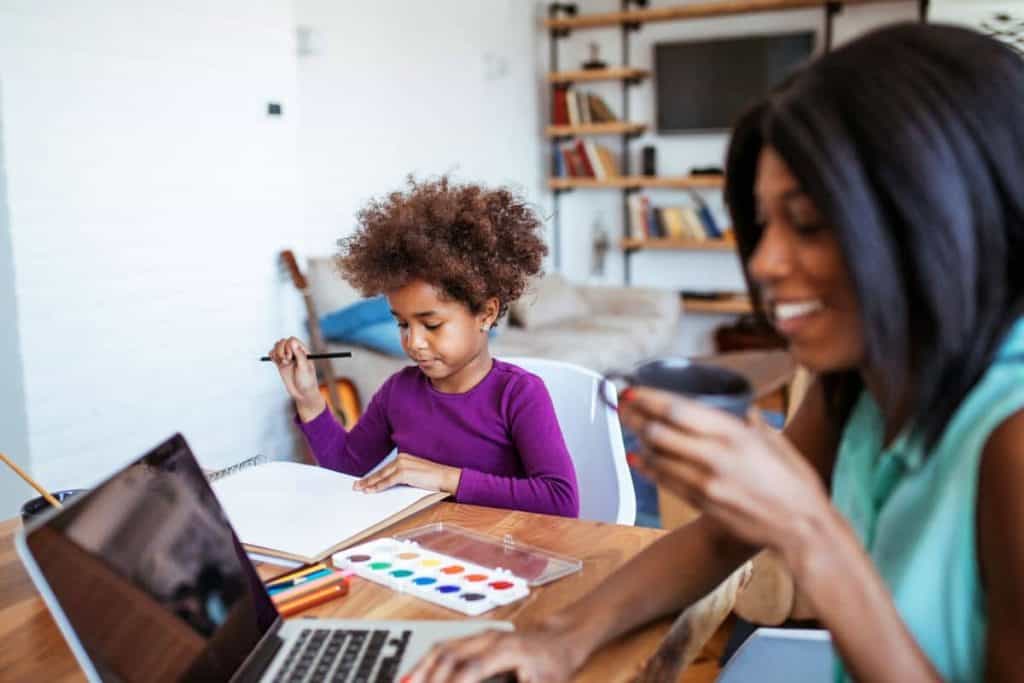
(502, 433)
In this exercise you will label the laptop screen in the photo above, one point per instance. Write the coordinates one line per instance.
(151, 576)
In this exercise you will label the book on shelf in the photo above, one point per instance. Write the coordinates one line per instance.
(574, 107)
(693, 223)
(560, 107)
(585, 159)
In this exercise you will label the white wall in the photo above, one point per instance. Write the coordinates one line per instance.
(148, 193)
(402, 86)
(583, 212)
(13, 421)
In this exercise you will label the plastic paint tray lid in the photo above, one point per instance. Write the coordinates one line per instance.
(534, 565)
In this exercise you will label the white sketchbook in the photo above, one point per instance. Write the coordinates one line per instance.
(306, 513)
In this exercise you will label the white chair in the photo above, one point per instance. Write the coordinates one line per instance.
(593, 436)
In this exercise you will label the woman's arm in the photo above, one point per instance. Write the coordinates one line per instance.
(1000, 528)
(690, 561)
(851, 600)
(751, 481)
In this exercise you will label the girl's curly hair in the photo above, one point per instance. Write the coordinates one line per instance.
(471, 242)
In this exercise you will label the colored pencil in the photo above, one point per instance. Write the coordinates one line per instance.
(298, 581)
(321, 596)
(316, 356)
(301, 571)
(31, 482)
(304, 589)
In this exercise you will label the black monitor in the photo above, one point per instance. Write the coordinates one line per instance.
(149, 575)
(705, 85)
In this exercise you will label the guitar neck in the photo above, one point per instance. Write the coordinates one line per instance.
(316, 339)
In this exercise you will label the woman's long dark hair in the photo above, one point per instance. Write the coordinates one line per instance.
(910, 142)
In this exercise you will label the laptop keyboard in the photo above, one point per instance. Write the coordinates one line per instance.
(349, 656)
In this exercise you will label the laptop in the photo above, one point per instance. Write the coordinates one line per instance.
(781, 655)
(148, 582)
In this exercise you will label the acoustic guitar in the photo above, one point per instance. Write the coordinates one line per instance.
(340, 393)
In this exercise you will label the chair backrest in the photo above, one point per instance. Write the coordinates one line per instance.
(593, 436)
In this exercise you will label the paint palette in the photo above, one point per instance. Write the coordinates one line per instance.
(442, 579)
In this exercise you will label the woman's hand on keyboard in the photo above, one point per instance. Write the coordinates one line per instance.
(541, 656)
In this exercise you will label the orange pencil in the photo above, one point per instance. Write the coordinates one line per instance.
(306, 588)
(295, 606)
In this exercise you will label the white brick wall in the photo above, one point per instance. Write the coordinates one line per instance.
(150, 193)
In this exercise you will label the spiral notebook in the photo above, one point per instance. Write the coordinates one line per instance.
(306, 513)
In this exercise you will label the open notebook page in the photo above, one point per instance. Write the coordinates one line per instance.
(306, 512)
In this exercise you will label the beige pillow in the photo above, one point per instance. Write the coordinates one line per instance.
(548, 300)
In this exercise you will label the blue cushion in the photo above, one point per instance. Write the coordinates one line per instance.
(367, 323)
(383, 337)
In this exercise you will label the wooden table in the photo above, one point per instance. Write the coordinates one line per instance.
(31, 647)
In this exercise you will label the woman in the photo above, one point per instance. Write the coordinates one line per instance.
(878, 201)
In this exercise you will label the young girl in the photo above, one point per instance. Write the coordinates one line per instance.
(450, 259)
(878, 202)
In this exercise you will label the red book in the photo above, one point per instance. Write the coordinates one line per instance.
(559, 108)
(581, 151)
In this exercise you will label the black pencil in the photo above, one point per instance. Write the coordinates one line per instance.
(316, 356)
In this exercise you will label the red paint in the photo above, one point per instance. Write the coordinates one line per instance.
(633, 459)
(500, 585)
(626, 395)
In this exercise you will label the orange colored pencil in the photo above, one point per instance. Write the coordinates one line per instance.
(306, 588)
(295, 606)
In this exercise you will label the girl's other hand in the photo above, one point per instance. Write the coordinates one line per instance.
(299, 376)
(413, 471)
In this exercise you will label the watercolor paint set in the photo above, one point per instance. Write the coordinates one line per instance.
(455, 568)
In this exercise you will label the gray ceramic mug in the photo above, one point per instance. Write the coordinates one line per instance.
(711, 385)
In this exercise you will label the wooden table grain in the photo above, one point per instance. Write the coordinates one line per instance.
(31, 647)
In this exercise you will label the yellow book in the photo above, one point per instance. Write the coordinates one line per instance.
(672, 219)
(693, 226)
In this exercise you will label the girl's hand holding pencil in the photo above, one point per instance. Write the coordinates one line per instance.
(299, 376)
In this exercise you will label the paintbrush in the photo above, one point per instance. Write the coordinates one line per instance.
(31, 482)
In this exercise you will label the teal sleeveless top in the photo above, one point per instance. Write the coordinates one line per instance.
(915, 515)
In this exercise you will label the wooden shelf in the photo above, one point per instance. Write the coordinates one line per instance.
(612, 74)
(733, 305)
(613, 128)
(677, 244)
(698, 10)
(638, 181)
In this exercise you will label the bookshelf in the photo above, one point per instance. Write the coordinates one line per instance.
(592, 75)
(698, 10)
(677, 244)
(614, 128)
(562, 20)
(636, 182)
(737, 304)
